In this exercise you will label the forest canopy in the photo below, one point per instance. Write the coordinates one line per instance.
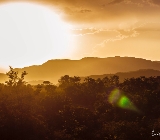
(92, 109)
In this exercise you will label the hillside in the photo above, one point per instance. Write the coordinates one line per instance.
(124, 67)
(3, 77)
(125, 75)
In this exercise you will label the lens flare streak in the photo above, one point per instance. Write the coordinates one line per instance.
(118, 99)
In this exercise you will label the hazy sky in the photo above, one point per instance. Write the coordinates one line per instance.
(114, 27)
(104, 28)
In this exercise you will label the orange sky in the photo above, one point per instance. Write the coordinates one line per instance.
(104, 28)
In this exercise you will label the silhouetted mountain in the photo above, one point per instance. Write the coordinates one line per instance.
(3, 77)
(52, 70)
(125, 75)
(122, 75)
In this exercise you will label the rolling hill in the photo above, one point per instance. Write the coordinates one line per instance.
(125, 67)
(125, 75)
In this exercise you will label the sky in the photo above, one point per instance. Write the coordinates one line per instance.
(108, 28)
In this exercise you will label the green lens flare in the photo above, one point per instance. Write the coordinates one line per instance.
(120, 100)
(124, 102)
(114, 96)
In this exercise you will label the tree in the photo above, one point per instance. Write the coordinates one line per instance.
(112, 81)
(14, 80)
(67, 81)
(47, 83)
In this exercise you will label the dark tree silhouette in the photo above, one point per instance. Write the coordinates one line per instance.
(78, 109)
(14, 80)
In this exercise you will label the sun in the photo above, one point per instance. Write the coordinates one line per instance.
(31, 34)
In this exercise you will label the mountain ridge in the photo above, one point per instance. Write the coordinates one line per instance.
(52, 70)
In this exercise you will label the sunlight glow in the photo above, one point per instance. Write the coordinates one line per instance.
(31, 34)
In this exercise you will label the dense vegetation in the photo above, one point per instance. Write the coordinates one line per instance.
(77, 110)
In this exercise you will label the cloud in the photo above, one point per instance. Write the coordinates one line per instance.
(127, 36)
(132, 32)
(95, 32)
(128, 33)
(116, 1)
(85, 11)
(144, 45)
(97, 38)
(71, 11)
(102, 23)
(153, 3)
(106, 14)
(84, 31)
(122, 34)
(87, 38)
(98, 12)
(157, 2)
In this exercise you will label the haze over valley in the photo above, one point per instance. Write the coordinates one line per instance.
(124, 67)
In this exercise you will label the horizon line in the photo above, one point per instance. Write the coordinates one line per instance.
(4, 69)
